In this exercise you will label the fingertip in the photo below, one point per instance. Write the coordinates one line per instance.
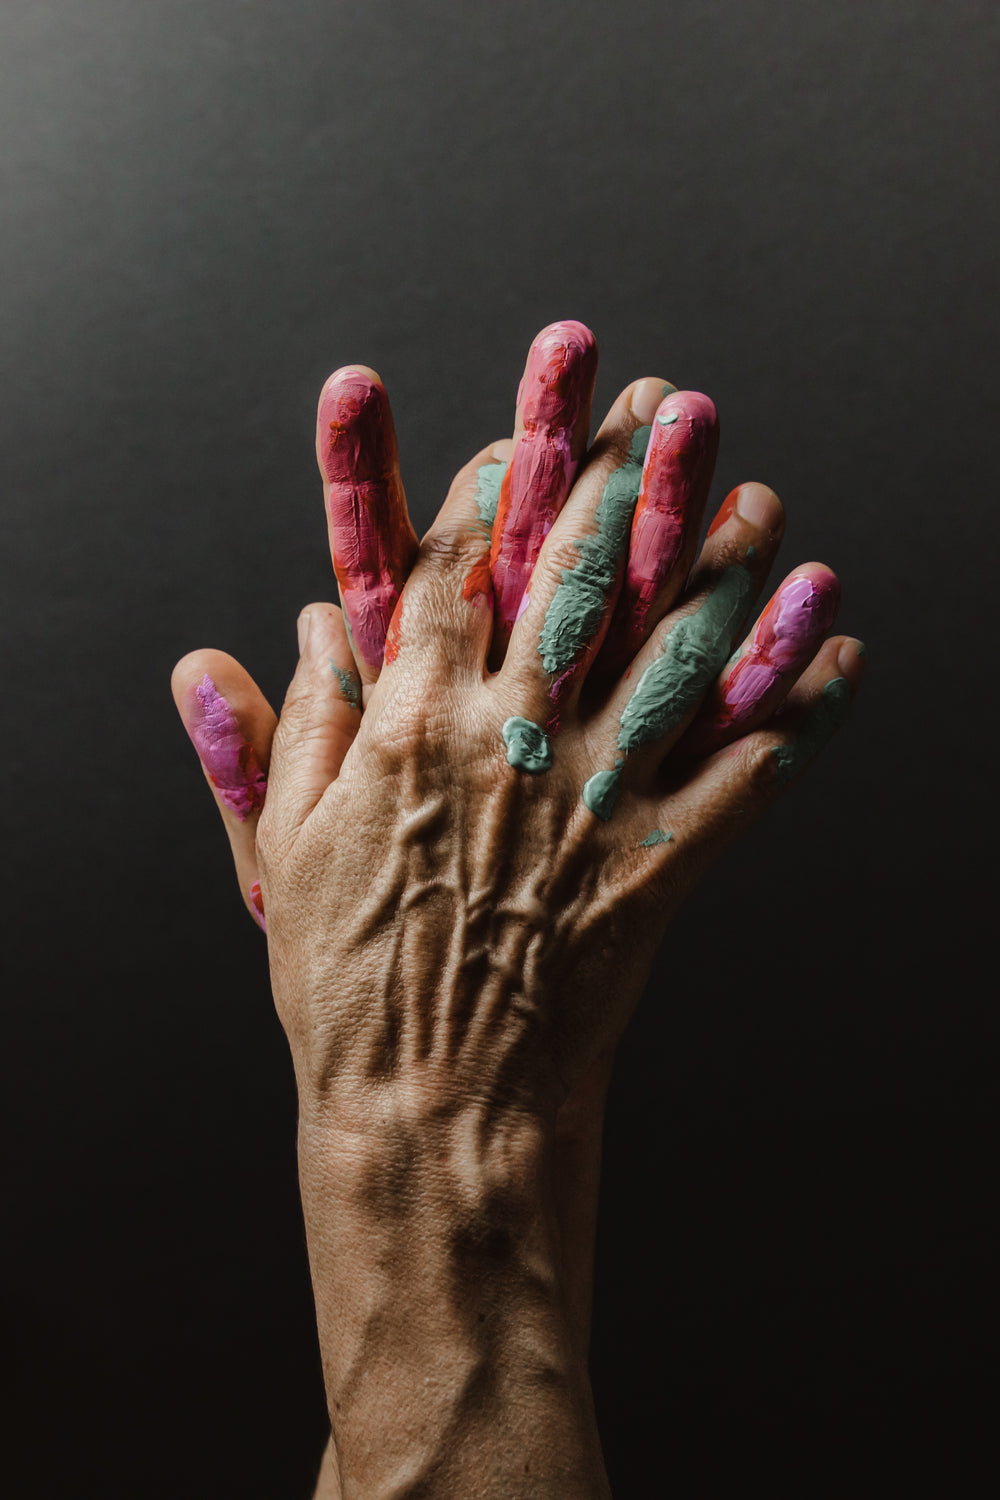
(852, 659)
(759, 506)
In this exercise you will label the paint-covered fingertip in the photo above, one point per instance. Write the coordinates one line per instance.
(569, 334)
(355, 436)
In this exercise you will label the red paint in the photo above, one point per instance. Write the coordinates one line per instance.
(555, 393)
(393, 636)
(372, 541)
(257, 902)
(676, 476)
(725, 510)
(478, 580)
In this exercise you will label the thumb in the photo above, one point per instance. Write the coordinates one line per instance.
(319, 720)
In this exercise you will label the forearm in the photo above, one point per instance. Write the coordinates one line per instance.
(451, 1364)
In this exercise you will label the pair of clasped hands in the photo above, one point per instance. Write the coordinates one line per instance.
(499, 767)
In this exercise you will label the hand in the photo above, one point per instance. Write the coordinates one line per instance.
(641, 879)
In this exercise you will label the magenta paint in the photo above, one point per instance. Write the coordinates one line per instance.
(785, 639)
(228, 760)
(555, 392)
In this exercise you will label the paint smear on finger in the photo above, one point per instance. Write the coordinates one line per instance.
(580, 602)
(693, 654)
(479, 580)
(555, 392)
(372, 541)
(676, 476)
(785, 639)
(228, 759)
(257, 903)
(826, 716)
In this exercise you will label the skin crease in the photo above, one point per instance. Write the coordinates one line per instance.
(420, 801)
(372, 542)
(554, 400)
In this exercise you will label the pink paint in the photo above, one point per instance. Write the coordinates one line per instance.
(554, 396)
(257, 902)
(229, 761)
(372, 541)
(784, 641)
(676, 477)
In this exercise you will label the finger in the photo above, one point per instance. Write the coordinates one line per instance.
(372, 541)
(319, 722)
(658, 698)
(580, 567)
(783, 642)
(444, 619)
(733, 787)
(676, 476)
(231, 726)
(550, 437)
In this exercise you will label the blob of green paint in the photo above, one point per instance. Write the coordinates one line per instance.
(656, 837)
(751, 552)
(693, 654)
(669, 418)
(667, 389)
(861, 649)
(350, 684)
(528, 747)
(600, 793)
(828, 715)
(574, 615)
(489, 478)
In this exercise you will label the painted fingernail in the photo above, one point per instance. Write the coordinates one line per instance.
(556, 392)
(372, 541)
(229, 761)
(759, 506)
(304, 621)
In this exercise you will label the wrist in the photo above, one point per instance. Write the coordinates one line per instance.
(443, 1317)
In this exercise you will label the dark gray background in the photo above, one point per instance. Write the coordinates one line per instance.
(206, 208)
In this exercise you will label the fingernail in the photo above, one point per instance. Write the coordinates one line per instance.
(305, 619)
(646, 397)
(759, 506)
(850, 653)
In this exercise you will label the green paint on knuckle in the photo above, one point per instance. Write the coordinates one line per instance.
(350, 684)
(600, 793)
(578, 604)
(489, 478)
(694, 653)
(656, 837)
(528, 747)
(826, 716)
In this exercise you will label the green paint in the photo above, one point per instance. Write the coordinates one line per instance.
(828, 715)
(656, 837)
(489, 478)
(528, 747)
(350, 684)
(668, 389)
(600, 793)
(693, 654)
(574, 615)
(669, 418)
(861, 649)
(751, 552)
